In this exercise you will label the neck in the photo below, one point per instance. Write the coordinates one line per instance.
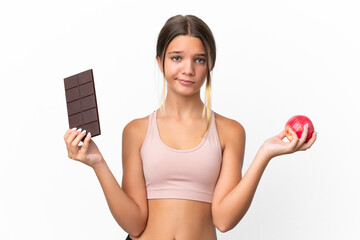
(183, 107)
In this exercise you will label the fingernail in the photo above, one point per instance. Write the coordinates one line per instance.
(73, 129)
(88, 135)
(316, 133)
(83, 132)
(307, 125)
(79, 130)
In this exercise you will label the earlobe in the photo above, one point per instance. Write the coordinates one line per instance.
(159, 63)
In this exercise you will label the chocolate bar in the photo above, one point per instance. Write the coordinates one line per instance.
(81, 102)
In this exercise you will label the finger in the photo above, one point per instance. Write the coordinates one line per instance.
(72, 136)
(69, 137)
(294, 142)
(309, 143)
(68, 132)
(86, 141)
(80, 135)
(281, 135)
(303, 136)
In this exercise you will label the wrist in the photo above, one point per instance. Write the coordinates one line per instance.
(99, 165)
(264, 155)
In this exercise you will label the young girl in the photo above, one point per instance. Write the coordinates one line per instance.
(182, 163)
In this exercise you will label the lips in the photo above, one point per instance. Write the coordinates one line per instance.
(185, 82)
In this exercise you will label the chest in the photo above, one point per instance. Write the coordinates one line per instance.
(181, 136)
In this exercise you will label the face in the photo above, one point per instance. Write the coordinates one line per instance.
(185, 65)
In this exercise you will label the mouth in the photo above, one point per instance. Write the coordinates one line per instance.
(185, 82)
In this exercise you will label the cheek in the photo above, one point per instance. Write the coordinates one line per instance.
(171, 69)
(203, 71)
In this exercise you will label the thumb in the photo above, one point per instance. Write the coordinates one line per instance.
(281, 135)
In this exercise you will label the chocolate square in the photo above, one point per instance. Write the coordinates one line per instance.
(81, 102)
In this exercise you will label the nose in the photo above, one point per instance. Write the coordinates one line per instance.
(188, 67)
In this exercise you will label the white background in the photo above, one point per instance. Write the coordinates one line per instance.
(275, 59)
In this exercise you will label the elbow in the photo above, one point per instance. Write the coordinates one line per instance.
(138, 230)
(226, 224)
(224, 227)
(225, 218)
(135, 227)
(135, 234)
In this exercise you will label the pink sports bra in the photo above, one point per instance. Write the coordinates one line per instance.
(183, 174)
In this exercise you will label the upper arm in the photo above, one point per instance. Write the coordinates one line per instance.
(232, 134)
(133, 182)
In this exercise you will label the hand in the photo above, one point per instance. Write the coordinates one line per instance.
(275, 146)
(88, 153)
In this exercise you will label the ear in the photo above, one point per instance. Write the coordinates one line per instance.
(159, 64)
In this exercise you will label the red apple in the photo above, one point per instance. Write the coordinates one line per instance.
(296, 123)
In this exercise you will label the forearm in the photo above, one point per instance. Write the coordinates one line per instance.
(124, 209)
(235, 204)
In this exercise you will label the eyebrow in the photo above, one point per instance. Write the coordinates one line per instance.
(178, 52)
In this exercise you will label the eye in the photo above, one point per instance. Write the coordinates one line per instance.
(176, 59)
(200, 60)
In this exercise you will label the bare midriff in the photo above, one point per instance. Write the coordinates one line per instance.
(178, 219)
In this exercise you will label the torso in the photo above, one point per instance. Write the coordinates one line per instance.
(177, 219)
(171, 219)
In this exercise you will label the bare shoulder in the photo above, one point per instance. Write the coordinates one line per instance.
(229, 129)
(135, 131)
